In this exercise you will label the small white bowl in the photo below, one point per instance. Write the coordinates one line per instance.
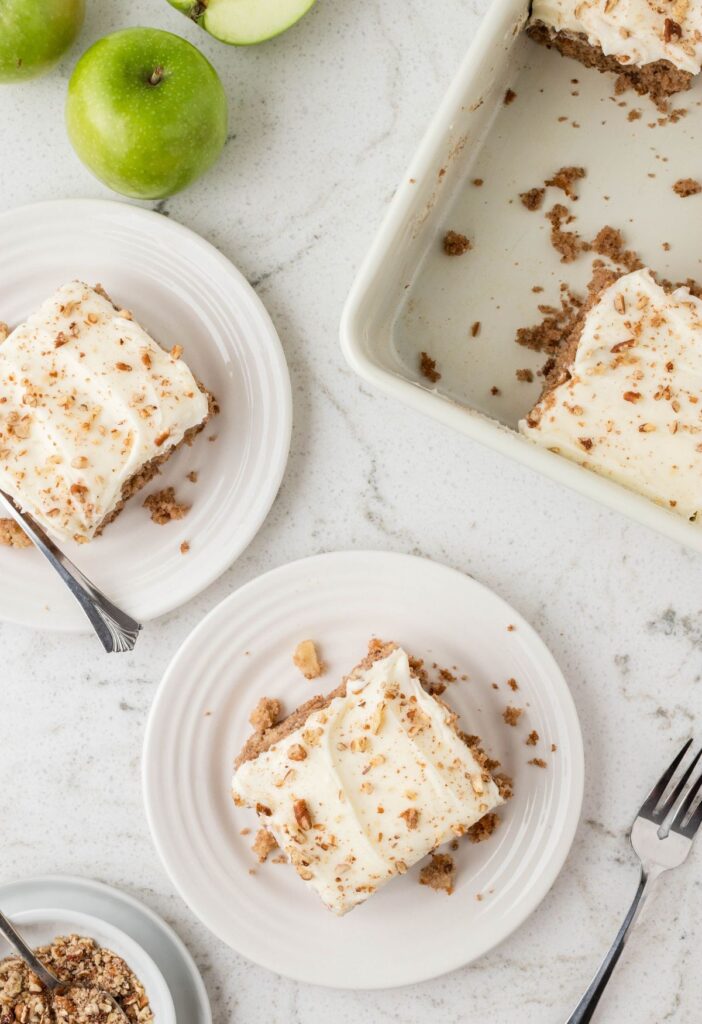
(40, 927)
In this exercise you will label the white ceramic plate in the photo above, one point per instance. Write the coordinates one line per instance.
(117, 909)
(242, 651)
(40, 927)
(182, 290)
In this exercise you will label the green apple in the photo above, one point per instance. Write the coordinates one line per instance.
(244, 22)
(146, 112)
(34, 34)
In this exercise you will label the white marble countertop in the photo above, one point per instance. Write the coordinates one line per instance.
(324, 121)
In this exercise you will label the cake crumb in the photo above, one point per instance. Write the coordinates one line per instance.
(184, 547)
(609, 242)
(532, 739)
(12, 535)
(455, 244)
(513, 684)
(163, 506)
(265, 714)
(505, 785)
(565, 179)
(478, 182)
(512, 715)
(264, 843)
(547, 335)
(192, 476)
(439, 874)
(525, 375)
(475, 329)
(427, 367)
(305, 658)
(511, 628)
(533, 198)
(538, 761)
(484, 828)
(494, 390)
(554, 748)
(509, 97)
(568, 243)
(633, 115)
(685, 187)
(244, 831)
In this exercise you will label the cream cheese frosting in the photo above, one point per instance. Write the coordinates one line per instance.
(367, 785)
(87, 398)
(632, 409)
(636, 32)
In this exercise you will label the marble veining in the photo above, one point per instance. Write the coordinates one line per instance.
(324, 122)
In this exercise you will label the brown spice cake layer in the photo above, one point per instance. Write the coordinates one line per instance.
(267, 732)
(150, 469)
(264, 739)
(572, 329)
(659, 79)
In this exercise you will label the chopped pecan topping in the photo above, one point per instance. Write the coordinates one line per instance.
(411, 817)
(671, 30)
(302, 815)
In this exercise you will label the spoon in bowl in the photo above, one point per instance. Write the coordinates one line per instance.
(45, 976)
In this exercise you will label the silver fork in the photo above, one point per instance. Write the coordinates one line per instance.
(117, 631)
(659, 847)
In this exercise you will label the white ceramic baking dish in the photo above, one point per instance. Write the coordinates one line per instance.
(410, 297)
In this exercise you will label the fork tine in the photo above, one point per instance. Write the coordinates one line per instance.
(653, 799)
(693, 824)
(672, 800)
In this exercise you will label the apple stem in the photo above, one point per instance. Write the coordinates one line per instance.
(156, 76)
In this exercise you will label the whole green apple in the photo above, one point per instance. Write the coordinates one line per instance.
(146, 112)
(244, 22)
(34, 34)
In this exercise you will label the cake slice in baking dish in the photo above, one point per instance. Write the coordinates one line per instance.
(625, 395)
(90, 406)
(656, 47)
(359, 785)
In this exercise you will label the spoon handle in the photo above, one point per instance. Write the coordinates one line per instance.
(45, 976)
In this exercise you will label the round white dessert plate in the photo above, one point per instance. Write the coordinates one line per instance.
(242, 651)
(181, 290)
(118, 921)
(41, 926)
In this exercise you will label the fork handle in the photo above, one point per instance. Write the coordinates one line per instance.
(116, 630)
(585, 1009)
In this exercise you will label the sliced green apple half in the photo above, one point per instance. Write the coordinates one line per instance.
(244, 22)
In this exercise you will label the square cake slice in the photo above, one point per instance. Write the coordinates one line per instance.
(359, 785)
(625, 395)
(656, 47)
(90, 405)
